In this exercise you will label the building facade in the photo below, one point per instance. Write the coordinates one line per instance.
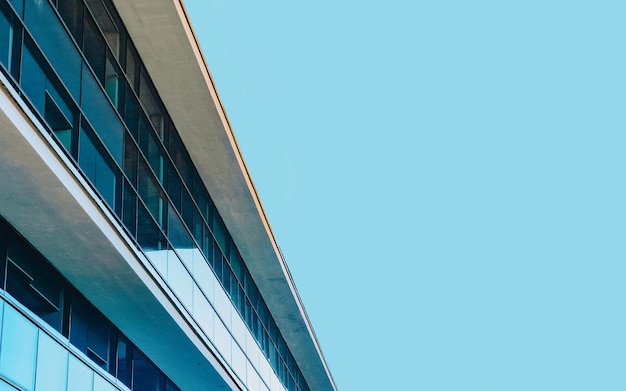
(135, 252)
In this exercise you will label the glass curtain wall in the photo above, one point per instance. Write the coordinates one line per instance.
(77, 67)
(30, 279)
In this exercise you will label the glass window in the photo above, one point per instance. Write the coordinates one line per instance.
(71, 12)
(34, 283)
(219, 230)
(6, 387)
(18, 348)
(174, 187)
(149, 99)
(131, 111)
(205, 278)
(222, 340)
(112, 83)
(239, 362)
(100, 384)
(148, 234)
(131, 63)
(180, 281)
(102, 117)
(129, 209)
(6, 41)
(124, 361)
(33, 80)
(94, 48)
(169, 386)
(55, 43)
(203, 312)
(79, 376)
(95, 165)
(180, 157)
(151, 148)
(146, 377)
(51, 365)
(91, 333)
(106, 24)
(151, 194)
(177, 233)
(59, 116)
(18, 5)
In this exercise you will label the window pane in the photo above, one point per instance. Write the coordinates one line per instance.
(100, 384)
(148, 234)
(51, 365)
(19, 348)
(72, 13)
(91, 333)
(180, 281)
(106, 24)
(151, 148)
(94, 48)
(96, 167)
(101, 115)
(112, 83)
(33, 282)
(6, 387)
(150, 193)
(124, 357)
(54, 42)
(33, 80)
(146, 377)
(6, 41)
(129, 211)
(80, 377)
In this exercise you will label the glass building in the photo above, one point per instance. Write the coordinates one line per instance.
(134, 251)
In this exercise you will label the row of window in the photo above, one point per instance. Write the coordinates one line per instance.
(29, 278)
(104, 110)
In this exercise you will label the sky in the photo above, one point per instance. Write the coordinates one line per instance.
(446, 180)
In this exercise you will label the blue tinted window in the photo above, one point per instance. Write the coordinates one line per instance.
(79, 376)
(101, 115)
(150, 192)
(124, 361)
(96, 167)
(33, 80)
(72, 13)
(148, 234)
(91, 333)
(34, 283)
(146, 377)
(54, 42)
(51, 365)
(18, 348)
(6, 41)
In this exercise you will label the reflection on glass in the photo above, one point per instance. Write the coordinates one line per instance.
(180, 281)
(32, 282)
(124, 361)
(145, 375)
(79, 377)
(51, 365)
(6, 41)
(18, 348)
(54, 42)
(203, 312)
(100, 384)
(222, 340)
(239, 362)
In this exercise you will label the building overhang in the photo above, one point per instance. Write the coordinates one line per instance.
(164, 38)
(49, 202)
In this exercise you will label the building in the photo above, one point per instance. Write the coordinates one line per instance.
(135, 252)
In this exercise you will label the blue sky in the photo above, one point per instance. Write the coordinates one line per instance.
(446, 181)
